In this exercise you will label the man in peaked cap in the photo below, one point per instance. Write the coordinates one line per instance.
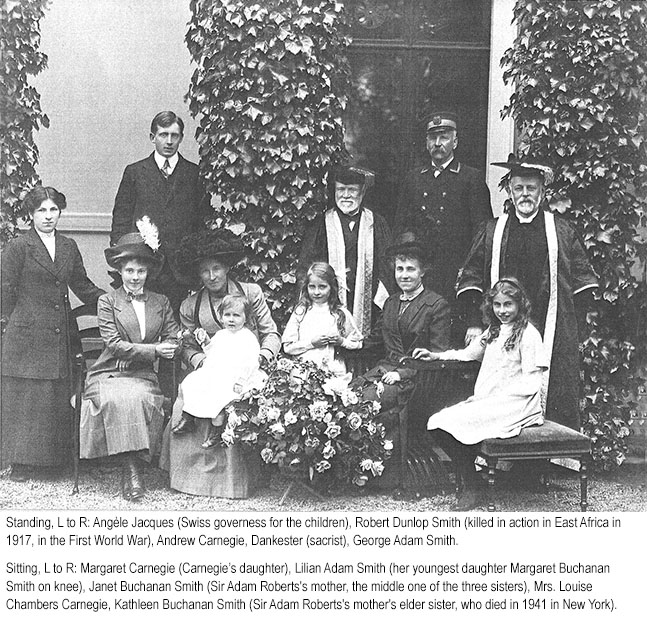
(444, 202)
(544, 253)
(354, 240)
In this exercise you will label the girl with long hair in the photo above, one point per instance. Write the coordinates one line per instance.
(507, 393)
(319, 323)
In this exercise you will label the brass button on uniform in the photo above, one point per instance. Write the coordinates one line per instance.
(57, 331)
(57, 307)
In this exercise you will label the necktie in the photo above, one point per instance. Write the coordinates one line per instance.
(139, 297)
(166, 169)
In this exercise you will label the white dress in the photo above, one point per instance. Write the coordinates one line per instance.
(306, 325)
(231, 358)
(507, 393)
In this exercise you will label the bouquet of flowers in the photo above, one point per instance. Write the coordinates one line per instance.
(309, 422)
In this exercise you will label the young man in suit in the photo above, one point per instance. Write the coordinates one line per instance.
(167, 188)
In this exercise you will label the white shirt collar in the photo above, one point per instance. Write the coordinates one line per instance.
(526, 220)
(46, 235)
(159, 159)
(407, 297)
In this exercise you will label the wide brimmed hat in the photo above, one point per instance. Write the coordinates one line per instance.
(408, 245)
(439, 121)
(525, 166)
(131, 246)
(350, 173)
(218, 244)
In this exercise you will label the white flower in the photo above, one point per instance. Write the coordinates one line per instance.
(379, 388)
(349, 398)
(366, 464)
(378, 468)
(290, 418)
(388, 445)
(277, 430)
(333, 430)
(273, 414)
(336, 385)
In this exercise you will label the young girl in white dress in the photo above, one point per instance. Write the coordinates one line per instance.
(229, 369)
(507, 393)
(320, 323)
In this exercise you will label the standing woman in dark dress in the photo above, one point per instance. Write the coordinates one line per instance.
(37, 269)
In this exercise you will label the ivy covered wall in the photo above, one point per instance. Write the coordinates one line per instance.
(20, 105)
(579, 71)
(269, 90)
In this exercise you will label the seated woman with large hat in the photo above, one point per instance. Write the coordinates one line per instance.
(121, 411)
(215, 471)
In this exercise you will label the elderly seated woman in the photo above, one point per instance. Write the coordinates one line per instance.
(415, 317)
(121, 412)
(214, 471)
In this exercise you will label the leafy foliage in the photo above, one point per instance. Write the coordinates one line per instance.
(270, 89)
(579, 70)
(20, 105)
(307, 422)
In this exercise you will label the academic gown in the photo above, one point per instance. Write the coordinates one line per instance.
(574, 275)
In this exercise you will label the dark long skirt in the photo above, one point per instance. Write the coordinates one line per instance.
(36, 421)
(228, 472)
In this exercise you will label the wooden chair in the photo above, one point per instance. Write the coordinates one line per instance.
(88, 348)
(439, 384)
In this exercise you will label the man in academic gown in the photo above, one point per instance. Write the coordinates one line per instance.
(544, 253)
(354, 240)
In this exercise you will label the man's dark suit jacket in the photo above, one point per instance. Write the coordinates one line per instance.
(177, 206)
(445, 213)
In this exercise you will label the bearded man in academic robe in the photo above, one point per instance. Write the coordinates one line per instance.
(543, 251)
(353, 240)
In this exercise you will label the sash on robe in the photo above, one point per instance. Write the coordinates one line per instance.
(364, 275)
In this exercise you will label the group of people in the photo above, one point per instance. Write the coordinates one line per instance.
(503, 291)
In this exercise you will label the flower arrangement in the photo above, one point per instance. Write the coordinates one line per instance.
(309, 422)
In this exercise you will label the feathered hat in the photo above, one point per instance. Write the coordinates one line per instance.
(142, 245)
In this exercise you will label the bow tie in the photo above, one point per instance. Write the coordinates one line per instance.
(138, 297)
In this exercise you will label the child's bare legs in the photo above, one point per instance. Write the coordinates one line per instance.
(214, 431)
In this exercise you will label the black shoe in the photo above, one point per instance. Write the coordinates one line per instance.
(134, 480)
(469, 499)
(185, 424)
(214, 436)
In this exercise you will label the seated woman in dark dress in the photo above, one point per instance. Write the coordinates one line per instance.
(412, 318)
(121, 413)
(38, 267)
(216, 471)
